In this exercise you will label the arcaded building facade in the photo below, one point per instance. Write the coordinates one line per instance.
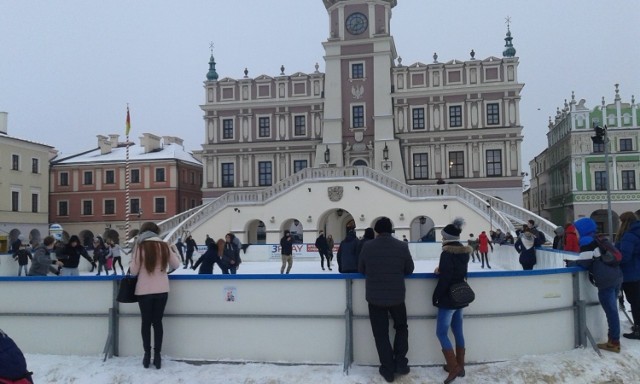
(453, 121)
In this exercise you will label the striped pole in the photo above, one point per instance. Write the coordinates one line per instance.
(127, 178)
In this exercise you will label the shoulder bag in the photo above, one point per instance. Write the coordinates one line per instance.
(127, 289)
(461, 293)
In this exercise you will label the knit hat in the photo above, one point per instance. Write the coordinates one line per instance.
(586, 228)
(383, 225)
(452, 231)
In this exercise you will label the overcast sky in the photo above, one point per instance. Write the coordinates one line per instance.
(69, 68)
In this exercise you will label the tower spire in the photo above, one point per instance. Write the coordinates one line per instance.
(509, 50)
(212, 74)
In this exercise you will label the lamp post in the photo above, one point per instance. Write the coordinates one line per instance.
(601, 137)
(385, 152)
(327, 155)
(490, 214)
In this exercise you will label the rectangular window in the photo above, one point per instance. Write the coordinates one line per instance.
(110, 176)
(110, 207)
(15, 201)
(227, 129)
(227, 175)
(15, 162)
(456, 164)
(600, 180)
(357, 119)
(63, 208)
(265, 173)
(87, 178)
(135, 205)
(598, 147)
(629, 180)
(64, 179)
(159, 205)
(357, 71)
(35, 165)
(418, 118)
(494, 162)
(193, 178)
(135, 175)
(493, 114)
(626, 145)
(455, 116)
(420, 166)
(264, 127)
(299, 126)
(87, 207)
(299, 165)
(160, 175)
(35, 201)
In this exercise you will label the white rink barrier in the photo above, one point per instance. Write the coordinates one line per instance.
(305, 318)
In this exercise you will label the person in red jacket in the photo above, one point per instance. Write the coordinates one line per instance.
(483, 248)
(571, 239)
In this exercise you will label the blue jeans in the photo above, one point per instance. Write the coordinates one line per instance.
(609, 300)
(449, 318)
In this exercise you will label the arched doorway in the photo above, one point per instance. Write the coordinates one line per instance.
(422, 229)
(601, 218)
(256, 232)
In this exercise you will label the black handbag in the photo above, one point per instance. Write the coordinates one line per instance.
(461, 293)
(127, 289)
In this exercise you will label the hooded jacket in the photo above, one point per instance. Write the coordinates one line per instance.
(454, 260)
(348, 254)
(42, 263)
(603, 275)
(571, 239)
(525, 247)
(70, 255)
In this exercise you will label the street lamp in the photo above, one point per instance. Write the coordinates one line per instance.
(327, 155)
(385, 152)
(490, 214)
(601, 137)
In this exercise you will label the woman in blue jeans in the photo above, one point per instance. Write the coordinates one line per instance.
(451, 269)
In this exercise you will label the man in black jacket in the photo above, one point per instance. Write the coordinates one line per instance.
(385, 262)
(286, 251)
(323, 250)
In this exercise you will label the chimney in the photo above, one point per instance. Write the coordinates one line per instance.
(114, 140)
(3, 122)
(150, 142)
(173, 140)
(104, 144)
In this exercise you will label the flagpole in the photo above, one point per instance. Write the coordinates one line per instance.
(127, 178)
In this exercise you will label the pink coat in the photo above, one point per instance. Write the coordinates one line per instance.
(483, 243)
(158, 281)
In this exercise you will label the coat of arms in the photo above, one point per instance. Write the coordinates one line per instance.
(335, 193)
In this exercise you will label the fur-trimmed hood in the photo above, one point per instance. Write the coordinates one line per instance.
(456, 248)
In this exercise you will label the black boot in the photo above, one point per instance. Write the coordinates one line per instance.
(146, 359)
(635, 333)
(157, 360)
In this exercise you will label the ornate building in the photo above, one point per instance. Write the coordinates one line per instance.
(456, 121)
(569, 178)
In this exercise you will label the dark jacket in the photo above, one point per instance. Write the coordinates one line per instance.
(286, 245)
(454, 260)
(208, 260)
(191, 246)
(70, 256)
(23, 256)
(385, 262)
(629, 246)
(231, 253)
(321, 244)
(603, 275)
(348, 254)
(41, 263)
(13, 365)
(525, 247)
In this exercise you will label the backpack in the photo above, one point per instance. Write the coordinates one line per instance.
(609, 254)
(13, 366)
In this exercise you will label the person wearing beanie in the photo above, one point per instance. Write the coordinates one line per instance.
(385, 262)
(558, 239)
(606, 277)
(525, 246)
(628, 242)
(451, 269)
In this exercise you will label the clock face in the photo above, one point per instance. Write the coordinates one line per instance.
(356, 23)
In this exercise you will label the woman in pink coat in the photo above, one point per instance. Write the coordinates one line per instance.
(483, 248)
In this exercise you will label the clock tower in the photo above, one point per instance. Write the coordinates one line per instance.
(358, 111)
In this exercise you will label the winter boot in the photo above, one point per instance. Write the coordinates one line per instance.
(452, 365)
(611, 346)
(635, 333)
(460, 360)
(146, 359)
(157, 360)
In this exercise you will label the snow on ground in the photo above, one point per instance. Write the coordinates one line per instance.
(576, 366)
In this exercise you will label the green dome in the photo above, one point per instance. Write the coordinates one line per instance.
(212, 74)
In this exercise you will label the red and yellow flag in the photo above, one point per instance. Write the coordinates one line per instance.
(128, 123)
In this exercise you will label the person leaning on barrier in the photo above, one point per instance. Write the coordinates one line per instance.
(151, 260)
(385, 262)
(42, 264)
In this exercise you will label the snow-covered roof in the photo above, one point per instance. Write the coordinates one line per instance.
(136, 153)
